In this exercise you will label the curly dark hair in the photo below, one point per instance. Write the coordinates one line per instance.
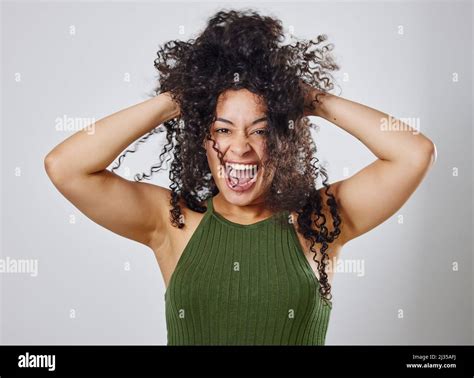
(242, 49)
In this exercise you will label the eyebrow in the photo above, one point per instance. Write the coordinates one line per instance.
(262, 119)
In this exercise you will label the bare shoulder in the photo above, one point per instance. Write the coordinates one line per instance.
(168, 238)
(170, 244)
(159, 198)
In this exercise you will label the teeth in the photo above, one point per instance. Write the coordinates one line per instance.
(242, 169)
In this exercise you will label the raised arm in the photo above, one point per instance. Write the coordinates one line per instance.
(377, 191)
(77, 167)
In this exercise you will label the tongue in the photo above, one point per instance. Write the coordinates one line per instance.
(240, 180)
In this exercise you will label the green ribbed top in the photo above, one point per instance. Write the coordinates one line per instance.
(240, 284)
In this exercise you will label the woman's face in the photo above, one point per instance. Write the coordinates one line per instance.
(240, 131)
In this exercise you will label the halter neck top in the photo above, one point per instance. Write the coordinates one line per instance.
(240, 284)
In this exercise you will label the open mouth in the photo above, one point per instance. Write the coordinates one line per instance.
(240, 177)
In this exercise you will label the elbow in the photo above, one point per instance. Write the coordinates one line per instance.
(430, 152)
(48, 164)
(426, 154)
(433, 154)
(52, 167)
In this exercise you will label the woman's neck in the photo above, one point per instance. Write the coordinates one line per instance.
(250, 213)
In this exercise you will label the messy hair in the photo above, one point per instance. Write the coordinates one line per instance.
(236, 50)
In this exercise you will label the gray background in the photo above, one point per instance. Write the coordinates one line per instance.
(82, 266)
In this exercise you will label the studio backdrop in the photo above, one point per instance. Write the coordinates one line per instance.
(67, 280)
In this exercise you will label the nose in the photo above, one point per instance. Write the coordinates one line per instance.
(240, 145)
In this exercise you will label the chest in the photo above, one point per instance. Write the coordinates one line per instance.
(169, 254)
(241, 272)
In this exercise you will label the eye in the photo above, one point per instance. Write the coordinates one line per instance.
(221, 129)
(263, 132)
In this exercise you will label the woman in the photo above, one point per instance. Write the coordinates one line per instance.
(237, 234)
